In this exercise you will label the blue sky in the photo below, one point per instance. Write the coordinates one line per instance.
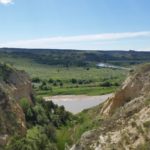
(76, 24)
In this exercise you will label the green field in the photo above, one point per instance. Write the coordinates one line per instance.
(88, 79)
(91, 91)
(44, 71)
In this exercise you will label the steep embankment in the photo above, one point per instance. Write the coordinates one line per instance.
(14, 85)
(126, 117)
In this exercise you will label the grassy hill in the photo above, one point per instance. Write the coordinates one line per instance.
(78, 57)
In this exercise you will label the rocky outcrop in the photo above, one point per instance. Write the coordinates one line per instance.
(14, 85)
(126, 120)
(136, 85)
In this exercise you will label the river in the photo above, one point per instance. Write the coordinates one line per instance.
(77, 103)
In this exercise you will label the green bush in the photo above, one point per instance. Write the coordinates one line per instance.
(43, 118)
(45, 87)
(61, 84)
(54, 83)
(106, 84)
(80, 81)
(36, 80)
(73, 81)
(25, 104)
(50, 81)
(116, 84)
(36, 139)
(40, 114)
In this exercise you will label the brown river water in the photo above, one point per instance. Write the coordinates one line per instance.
(77, 103)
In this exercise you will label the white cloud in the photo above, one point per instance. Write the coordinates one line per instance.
(5, 2)
(84, 41)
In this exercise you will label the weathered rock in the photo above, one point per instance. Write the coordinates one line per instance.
(136, 85)
(14, 85)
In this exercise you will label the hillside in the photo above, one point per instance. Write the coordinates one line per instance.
(27, 122)
(77, 57)
(14, 85)
(125, 117)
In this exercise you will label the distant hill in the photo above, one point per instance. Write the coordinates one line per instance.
(79, 57)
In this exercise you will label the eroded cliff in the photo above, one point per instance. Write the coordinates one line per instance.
(14, 85)
(126, 117)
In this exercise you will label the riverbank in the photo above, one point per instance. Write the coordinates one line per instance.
(90, 91)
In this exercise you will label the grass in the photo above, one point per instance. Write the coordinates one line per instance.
(44, 71)
(96, 76)
(91, 91)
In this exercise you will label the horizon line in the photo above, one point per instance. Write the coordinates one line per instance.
(72, 49)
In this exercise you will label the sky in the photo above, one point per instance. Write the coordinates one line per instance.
(75, 24)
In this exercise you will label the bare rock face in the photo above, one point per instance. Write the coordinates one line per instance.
(126, 117)
(137, 84)
(14, 85)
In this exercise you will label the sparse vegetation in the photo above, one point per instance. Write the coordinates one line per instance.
(146, 124)
(145, 146)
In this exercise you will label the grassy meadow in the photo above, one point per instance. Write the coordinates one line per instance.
(60, 80)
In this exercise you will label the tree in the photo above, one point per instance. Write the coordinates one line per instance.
(74, 81)
(106, 84)
(36, 80)
(40, 114)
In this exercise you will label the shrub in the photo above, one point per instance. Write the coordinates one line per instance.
(145, 146)
(45, 87)
(106, 84)
(40, 114)
(73, 81)
(116, 84)
(50, 131)
(58, 81)
(17, 143)
(61, 84)
(36, 139)
(133, 124)
(36, 80)
(25, 104)
(146, 124)
(80, 81)
(55, 83)
(50, 80)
